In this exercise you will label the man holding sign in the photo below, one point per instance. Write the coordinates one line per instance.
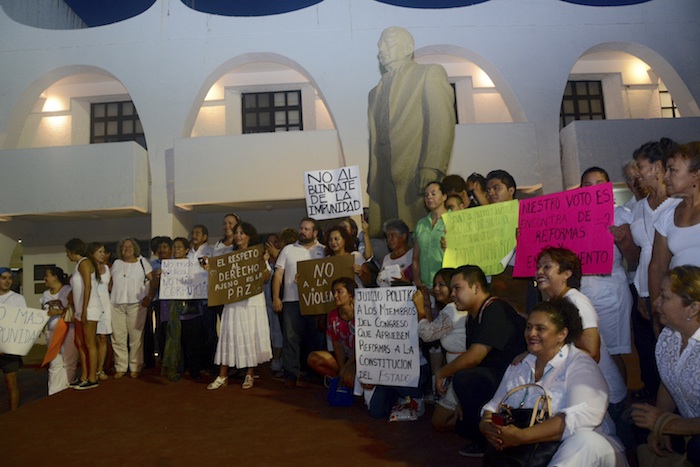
(297, 328)
(10, 363)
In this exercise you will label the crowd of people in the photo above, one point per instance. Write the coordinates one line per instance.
(481, 336)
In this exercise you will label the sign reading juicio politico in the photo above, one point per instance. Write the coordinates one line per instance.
(386, 337)
(333, 193)
(182, 279)
(574, 219)
(19, 328)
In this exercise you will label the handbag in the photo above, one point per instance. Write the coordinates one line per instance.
(339, 396)
(649, 459)
(525, 455)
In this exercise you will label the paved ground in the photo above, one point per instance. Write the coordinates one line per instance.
(148, 421)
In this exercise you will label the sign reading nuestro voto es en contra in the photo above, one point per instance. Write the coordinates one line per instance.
(386, 337)
(334, 193)
(236, 276)
(575, 219)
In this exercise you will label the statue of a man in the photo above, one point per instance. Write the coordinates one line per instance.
(411, 124)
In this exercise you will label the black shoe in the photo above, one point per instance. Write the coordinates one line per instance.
(86, 385)
(75, 383)
(473, 450)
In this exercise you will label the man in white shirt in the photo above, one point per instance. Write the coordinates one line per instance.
(10, 363)
(199, 248)
(298, 329)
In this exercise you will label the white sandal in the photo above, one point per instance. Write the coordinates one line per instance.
(248, 382)
(218, 382)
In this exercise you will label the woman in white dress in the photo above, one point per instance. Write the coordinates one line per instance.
(56, 300)
(87, 313)
(677, 236)
(97, 254)
(244, 340)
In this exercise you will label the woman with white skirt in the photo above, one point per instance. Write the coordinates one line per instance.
(244, 339)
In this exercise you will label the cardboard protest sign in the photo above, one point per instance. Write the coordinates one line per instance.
(333, 193)
(575, 219)
(315, 280)
(182, 279)
(19, 328)
(386, 337)
(483, 236)
(236, 276)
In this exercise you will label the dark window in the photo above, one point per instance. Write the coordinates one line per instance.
(115, 121)
(583, 100)
(267, 112)
(668, 106)
(454, 90)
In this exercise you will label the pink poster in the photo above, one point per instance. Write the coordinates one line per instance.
(574, 219)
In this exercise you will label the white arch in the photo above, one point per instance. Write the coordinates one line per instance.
(16, 119)
(686, 103)
(239, 61)
(499, 81)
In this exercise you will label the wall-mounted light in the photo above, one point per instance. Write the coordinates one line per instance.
(482, 80)
(55, 104)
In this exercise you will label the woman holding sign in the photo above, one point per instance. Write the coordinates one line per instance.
(341, 243)
(244, 340)
(55, 300)
(610, 293)
(184, 332)
(341, 331)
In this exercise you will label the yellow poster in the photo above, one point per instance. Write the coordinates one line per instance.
(483, 236)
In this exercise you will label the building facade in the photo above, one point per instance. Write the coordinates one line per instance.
(180, 82)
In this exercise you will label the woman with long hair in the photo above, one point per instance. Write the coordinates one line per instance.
(341, 243)
(83, 281)
(450, 328)
(97, 254)
(244, 341)
(341, 332)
